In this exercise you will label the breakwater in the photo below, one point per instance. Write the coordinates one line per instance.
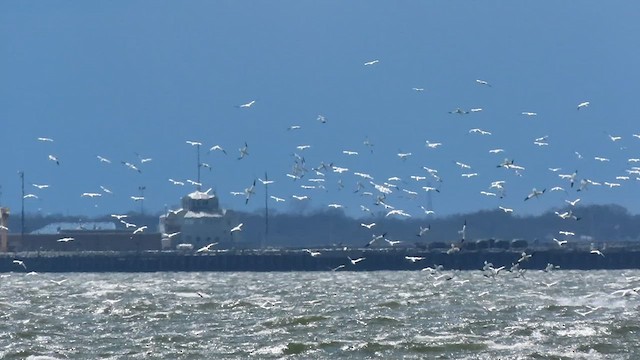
(301, 260)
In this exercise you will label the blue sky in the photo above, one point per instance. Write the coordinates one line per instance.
(136, 79)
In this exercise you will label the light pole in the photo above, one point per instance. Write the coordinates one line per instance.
(22, 208)
(142, 188)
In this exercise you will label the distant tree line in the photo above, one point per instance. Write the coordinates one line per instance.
(331, 227)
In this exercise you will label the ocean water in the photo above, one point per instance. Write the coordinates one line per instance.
(321, 315)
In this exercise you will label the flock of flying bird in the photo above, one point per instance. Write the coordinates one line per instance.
(382, 194)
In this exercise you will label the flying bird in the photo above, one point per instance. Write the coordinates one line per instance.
(247, 105)
(372, 62)
(54, 159)
(583, 104)
(237, 228)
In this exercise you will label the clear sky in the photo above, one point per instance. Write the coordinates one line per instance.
(131, 80)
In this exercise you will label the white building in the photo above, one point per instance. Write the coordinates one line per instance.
(199, 223)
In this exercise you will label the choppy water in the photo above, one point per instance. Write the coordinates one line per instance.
(320, 315)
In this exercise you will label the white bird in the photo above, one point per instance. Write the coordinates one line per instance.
(277, 199)
(597, 252)
(528, 113)
(237, 228)
(566, 233)
(206, 248)
(404, 156)
(392, 242)
(583, 104)
(423, 230)
(414, 259)
(483, 82)
(54, 159)
(20, 263)
(535, 193)
(349, 152)
(247, 105)
(368, 226)
(65, 239)
(313, 253)
(103, 159)
(372, 62)
(91, 195)
(244, 151)
(106, 190)
(355, 261)
(43, 186)
(140, 229)
(506, 210)
(176, 182)
(432, 145)
(171, 235)
(496, 151)
(560, 242)
(131, 166)
(194, 143)
(45, 139)
(303, 147)
(218, 148)
(118, 216)
(572, 202)
(300, 197)
(479, 131)
(30, 196)
(417, 89)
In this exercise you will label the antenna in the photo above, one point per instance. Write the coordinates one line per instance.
(266, 210)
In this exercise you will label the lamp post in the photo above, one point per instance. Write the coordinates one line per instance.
(142, 188)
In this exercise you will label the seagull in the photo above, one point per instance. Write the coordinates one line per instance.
(596, 252)
(417, 89)
(176, 182)
(207, 248)
(528, 113)
(583, 105)
(560, 242)
(372, 62)
(572, 203)
(392, 242)
(277, 199)
(237, 228)
(482, 82)
(43, 186)
(194, 143)
(312, 253)
(30, 196)
(65, 239)
(458, 111)
(91, 195)
(140, 229)
(20, 263)
(355, 261)
(131, 166)
(106, 190)
(247, 105)
(566, 233)
(506, 210)
(423, 230)
(170, 236)
(54, 159)
(535, 193)
(368, 226)
(45, 139)
(118, 216)
(414, 259)
(218, 148)
(524, 257)
(338, 267)
(243, 151)
(103, 159)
